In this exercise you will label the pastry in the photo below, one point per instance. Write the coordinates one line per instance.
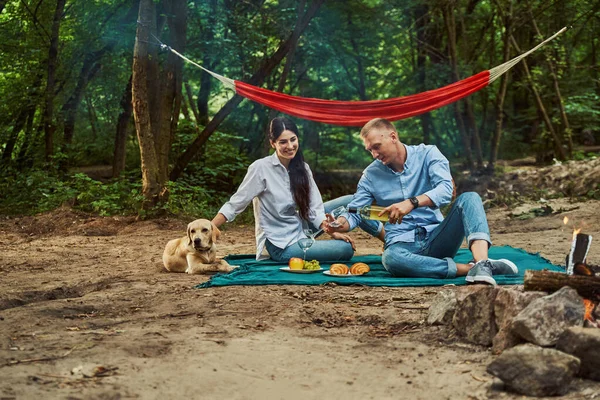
(359, 268)
(339, 269)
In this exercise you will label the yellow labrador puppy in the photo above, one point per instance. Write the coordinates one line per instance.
(196, 253)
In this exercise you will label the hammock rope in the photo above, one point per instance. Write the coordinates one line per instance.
(357, 113)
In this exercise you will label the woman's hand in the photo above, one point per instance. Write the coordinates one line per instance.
(344, 237)
(331, 225)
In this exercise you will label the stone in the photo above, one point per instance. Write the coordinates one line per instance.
(442, 308)
(583, 343)
(535, 371)
(544, 319)
(474, 315)
(508, 304)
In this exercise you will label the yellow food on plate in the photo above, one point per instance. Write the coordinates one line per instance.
(339, 269)
(296, 263)
(359, 268)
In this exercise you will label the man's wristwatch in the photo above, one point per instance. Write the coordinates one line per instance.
(414, 201)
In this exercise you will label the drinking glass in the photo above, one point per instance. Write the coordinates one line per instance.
(305, 244)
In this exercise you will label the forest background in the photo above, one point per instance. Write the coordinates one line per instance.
(86, 83)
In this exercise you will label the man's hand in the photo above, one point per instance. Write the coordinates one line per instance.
(397, 211)
(345, 238)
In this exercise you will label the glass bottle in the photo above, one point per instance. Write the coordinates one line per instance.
(370, 212)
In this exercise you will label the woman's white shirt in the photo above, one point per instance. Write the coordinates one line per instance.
(267, 185)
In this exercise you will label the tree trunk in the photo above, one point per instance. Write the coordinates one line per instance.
(559, 100)
(451, 28)
(171, 78)
(495, 145)
(28, 139)
(122, 131)
(93, 118)
(48, 114)
(265, 146)
(474, 132)
(557, 143)
(142, 102)
(91, 66)
(257, 79)
(421, 22)
(192, 105)
(18, 125)
(89, 69)
(205, 78)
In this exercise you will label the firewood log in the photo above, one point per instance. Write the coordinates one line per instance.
(548, 281)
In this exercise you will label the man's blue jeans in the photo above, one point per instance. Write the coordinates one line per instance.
(430, 256)
(325, 250)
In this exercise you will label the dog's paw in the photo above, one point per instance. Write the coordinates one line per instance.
(189, 271)
(232, 267)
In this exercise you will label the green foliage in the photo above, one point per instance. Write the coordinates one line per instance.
(351, 50)
(38, 191)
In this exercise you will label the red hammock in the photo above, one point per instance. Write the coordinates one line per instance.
(357, 113)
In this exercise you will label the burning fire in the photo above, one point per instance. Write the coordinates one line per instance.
(575, 231)
(589, 309)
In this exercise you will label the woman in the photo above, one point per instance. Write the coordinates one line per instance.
(286, 198)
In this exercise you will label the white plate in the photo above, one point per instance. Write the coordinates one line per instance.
(300, 271)
(338, 275)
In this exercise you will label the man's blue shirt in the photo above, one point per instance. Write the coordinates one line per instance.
(426, 171)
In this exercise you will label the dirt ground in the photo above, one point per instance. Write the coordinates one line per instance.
(86, 312)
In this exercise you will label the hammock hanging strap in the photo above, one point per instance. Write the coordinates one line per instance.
(357, 113)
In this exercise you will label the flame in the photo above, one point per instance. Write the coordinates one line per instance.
(589, 309)
(575, 232)
(565, 220)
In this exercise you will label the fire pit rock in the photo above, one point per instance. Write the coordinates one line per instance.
(544, 319)
(508, 304)
(442, 308)
(583, 343)
(474, 315)
(535, 371)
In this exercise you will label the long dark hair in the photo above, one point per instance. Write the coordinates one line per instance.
(299, 183)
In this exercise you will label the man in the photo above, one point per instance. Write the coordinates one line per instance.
(412, 182)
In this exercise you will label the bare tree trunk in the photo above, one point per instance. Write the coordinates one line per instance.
(205, 78)
(188, 92)
(474, 132)
(69, 110)
(91, 66)
(559, 100)
(18, 125)
(142, 106)
(301, 5)
(48, 114)
(172, 78)
(557, 142)
(122, 131)
(28, 139)
(495, 145)
(421, 22)
(257, 79)
(92, 117)
(451, 28)
(362, 92)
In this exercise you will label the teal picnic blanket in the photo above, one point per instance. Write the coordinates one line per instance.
(267, 272)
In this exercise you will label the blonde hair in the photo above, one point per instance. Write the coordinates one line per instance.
(376, 123)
